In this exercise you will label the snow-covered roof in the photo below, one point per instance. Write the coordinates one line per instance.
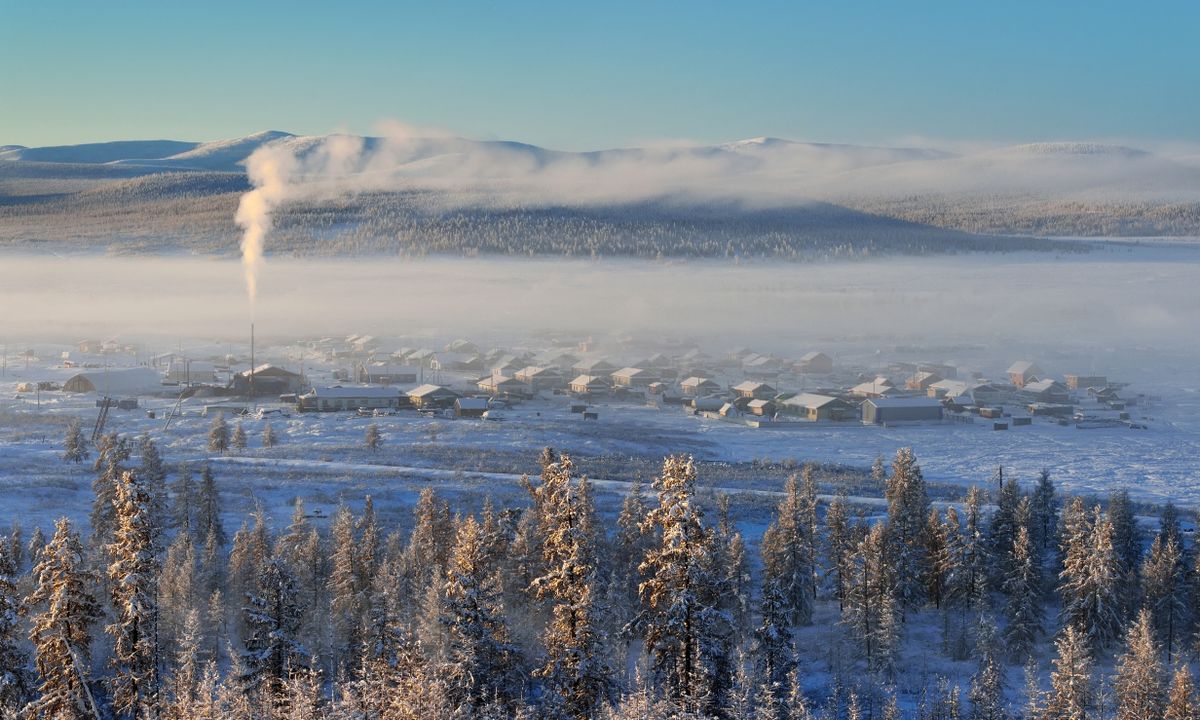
(1043, 385)
(355, 392)
(696, 381)
(901, 402)
(116, 381)
(589, 380)
(470, 403)
(809, 400)
(809, 357)
(1023, 367)
(429, 389)
(759, 403)
(751, 386)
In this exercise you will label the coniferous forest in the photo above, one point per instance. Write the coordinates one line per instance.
(1064, 608)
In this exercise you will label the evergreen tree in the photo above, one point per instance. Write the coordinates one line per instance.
(1071, 694)
(372, 438)
(74, 445)
(840, 543)
(1165, 583)
(1090, 583)
(218, 434)
(15, 680)
(908, 506)
(941, 561)
(114, 451)
(1024, 608)
(1127, 547)
(177, 588)
(1168, 524)
(481, 663)
(870, 609)
(631, 544)
(1139, 682)
(153, 477)
(987, 685)
(238, 440)
(1181, 698)
(683, 624)
(268, 436)
(789, 548)
(208, 508)
(346, 601)
(576, 670)
(133, 576)
(61, 628)
(1044, 514)
(184, 498)
(773, 645)
(272, 650)
(1002, 530)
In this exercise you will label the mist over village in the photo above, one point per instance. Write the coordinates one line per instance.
(616, 362)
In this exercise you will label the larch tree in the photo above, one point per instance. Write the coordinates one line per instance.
(576, 669)
(1002, 530)
(238, 439)
(1023, 589)
(1090, 583)
(74, 445)
(372, 438)
(870, 610)
(1127, 548)
(1165, 591)
(987, 684)
(1139, 683)
(346, 600)
(152, 474)
(110, 463)
(1071, 695)
(269, 438)
(208, 508)
(184, 499)
(15, 680)
(789, 548)
(839, 546)
(218, 434)
(273, 651)
(1044, 507)
(1181, 698)
(684, 627)
(66, 609)
(480, 667)
(133, 576)
(908, 507)
(177, 588)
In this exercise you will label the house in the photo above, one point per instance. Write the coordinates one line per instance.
(423, 357)
(507, 365)
(762, 366)
(589, 385)
(1046, 391)
(116, 381)
(816, 408)
(462, 346)
(879, 387)
(380, 373)
(267, 380)
(338, 398)
(191, 371)
(501, 385)
(556, 359)
(593, 366)
(948, 372)
(470, 407)
(815, 362)
(696, 386)
(538, 377)
(1083, 382)
(432, 396)
(1023, 371)
(754, 390)
(921, 380)
(762, 408)
(886, 411)
(634, 377)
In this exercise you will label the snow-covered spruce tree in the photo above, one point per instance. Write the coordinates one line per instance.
(272, 649)
(189, 667)
(74, 445)
(61, 632)
(268, 436)
(1127, 547)
(1074, 530)
(208, 508)
(372, 438)
(630, 546)
(177, 588)
(870, 609)
(133, 577)
(773, 655)
(1023, 589)
(686, 632)
(345, 599)
(840, 542)
(971, 588)
(238, 439)
(428, 544)
(1044, 514)
(908, 506)
(184, 500)
(789, 548)
(576, 671)
(1165, 592)
(15, 679)
(941, 560)
(1139, 682)
(1181, 698)
(153, 476)
(987, 685)
(1071, 693)
(366, 551)
(879, 472)
(1090, 583)
(114, 451)
(218, 434)
(480, 666)
(248, 556)
(1002, 531)
(1168, 524)
(730, 551)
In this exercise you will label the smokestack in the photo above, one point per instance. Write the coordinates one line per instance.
(253, 397)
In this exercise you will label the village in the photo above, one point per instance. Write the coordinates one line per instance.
(584, 380)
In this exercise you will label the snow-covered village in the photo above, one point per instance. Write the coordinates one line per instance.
(619, 361)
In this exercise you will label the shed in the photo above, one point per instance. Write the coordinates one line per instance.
(819, 407)
(267, 380)
(472, 407)
(754, 390)
(881, 411)
(116, 381)
(589, 385)
(432, 396)
(696, 386)
(338, 398)
(634, 377)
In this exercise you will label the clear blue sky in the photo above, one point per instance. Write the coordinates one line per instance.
(580, 75)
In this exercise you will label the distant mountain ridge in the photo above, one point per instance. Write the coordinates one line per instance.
(784, 195)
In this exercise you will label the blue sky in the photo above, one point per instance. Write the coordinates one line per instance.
(580, 75)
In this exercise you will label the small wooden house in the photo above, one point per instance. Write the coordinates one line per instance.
(754, 390)
(815, 362)
(1023, 372)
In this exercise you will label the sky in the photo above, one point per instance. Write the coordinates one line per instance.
(579, 75)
